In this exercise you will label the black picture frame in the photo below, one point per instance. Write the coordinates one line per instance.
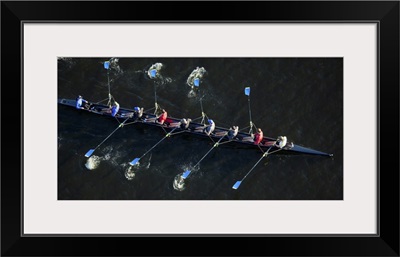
(384, 13)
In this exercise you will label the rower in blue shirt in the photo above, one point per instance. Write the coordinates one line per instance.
(79, 102)
(115, 109)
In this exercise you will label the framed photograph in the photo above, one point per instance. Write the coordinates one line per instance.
(261, 126)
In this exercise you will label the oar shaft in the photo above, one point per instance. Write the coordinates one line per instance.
(276, 151)
(264, 155)
(251, 122)
(158, 143)
(108, 79)
(202, 111)
(152, 148)
(188, 172)
(226, 142)
(180, 132)
(155, 98)
(201, 106)
(120, 125)
(155, 93)
(204, 156)
(109, 88)
(253, 167)
(215, 145)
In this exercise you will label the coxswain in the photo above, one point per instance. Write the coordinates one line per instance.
(162, 118)
(185, 123)
(232, 133)
(80, 102)
(258, 137)
(115, 109)
(210, 128)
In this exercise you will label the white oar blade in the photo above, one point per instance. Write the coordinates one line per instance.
(185, 174)
(236, 185)
(135, 161)
(247, 91)
(89, 153)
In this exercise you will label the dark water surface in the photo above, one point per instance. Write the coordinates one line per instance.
(301, 98)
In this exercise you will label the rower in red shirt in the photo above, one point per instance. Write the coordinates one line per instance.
(161, 119)
(258, 137)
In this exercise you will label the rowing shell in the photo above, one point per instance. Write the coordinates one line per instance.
(242, 139)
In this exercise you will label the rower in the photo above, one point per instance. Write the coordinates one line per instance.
(281, 141)
(138, 112)
(79, 103)
(161, 119)
(110, 109)
(115, 109)
(233, 131)
(258, 137)
(210, 128)
(185, 123)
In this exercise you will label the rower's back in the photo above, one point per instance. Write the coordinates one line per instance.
(210, 128)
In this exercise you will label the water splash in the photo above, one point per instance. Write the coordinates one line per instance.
(148, 165)
(179, 182)
(130, 173)
(93, 162)
(197, 73)
(192, 93)
(157, 67)
(107, 157)
(154, 73)
(115, 66)
(167, 80)
(111, 155)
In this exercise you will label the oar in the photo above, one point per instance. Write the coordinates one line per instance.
(136, 160)
(196, 83)
(153, 73)
(247, 92)
(237, 184)
(90, 152)
(187, 172)
(203, 115)
(107, 66)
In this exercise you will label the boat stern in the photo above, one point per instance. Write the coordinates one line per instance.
(67, 102)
